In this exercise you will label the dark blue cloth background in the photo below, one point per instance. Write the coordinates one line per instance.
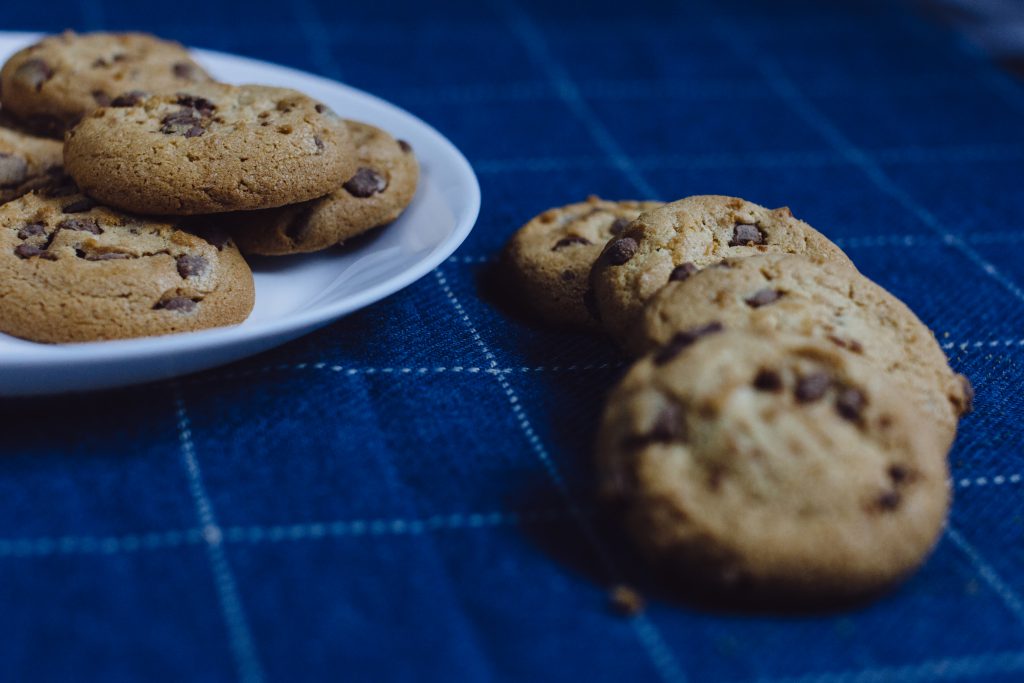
(406, 494)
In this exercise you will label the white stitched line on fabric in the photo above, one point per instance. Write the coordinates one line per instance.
(798, 159)
(240, 636)
(570, 94)
(930, 670)
(803, 108)
(997, 480)
(112, 545)
(648, 635)
(988, 573)
(993, 344)
(422, 370)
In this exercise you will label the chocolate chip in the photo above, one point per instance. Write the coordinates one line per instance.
(365, 182)
(568, 275)
(179, 122)
(128, 99)
(406, 147)
(101, 256)
(202, 105)
(619, 251)
(668, 426)
(79, 206)
(967, 404)
(763, 297)
(897, 474)
(185, 70)
(13, 170)
(618, 225)
(34, 73)
(27, 251)
(189, 265)
(177, 303)
(100, 63)
(569, 241)
(680, 273)
(768, 380)
(889, 501)
(83, 224)
(320, 109)
(850, 402)
(194, 132)
(745, 234)
(318, 142)
(31, 230)
(101, 98)
(812, 387)
(681, 340)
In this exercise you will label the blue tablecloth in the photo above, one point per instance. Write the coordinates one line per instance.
(407, 494)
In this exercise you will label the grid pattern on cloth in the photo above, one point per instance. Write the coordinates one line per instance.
(406, 494)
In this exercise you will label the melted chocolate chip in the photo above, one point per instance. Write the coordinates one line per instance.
(365, 182)
(681, 340)
(194, 132)
(202, 105)
(680, 273)
(13, 170)
(618, 225)
(83, 224)
(318, 142)
(128, 99)
(763, 297)
(619, 251)
(850, 402)
(101, 98)
(79, 206)
(184, 70)
(189, 265)
(745, 234)
(101, 256)
(406, 147)
(768, 380)
(27, 251)
(177, 303)
(31, 230)
(889, 501)
(812, 387)
(34, 73)
(569, 241)
(180, 122)
(320, 108)
(897, 474)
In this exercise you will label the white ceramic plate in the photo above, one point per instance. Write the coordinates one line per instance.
(294, 295)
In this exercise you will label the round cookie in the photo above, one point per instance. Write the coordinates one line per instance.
(210, 149)
(26, 161)
(773, 465)
(548, 260)
(826, 300)
(377, 193)
(683, 237)
(72, 271)
(52, 84)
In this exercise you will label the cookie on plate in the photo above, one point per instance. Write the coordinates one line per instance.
(52, 84)
(826, 300)
(377, 193)
(548, 260)
(72, 271)
(683, 237)
(773, 465)
(26, 161)
(211, 148)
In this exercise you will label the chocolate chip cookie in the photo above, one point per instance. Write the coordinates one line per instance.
(772, 464)
(827, 300)
(377, 193)
(52, 84)
(210, 148)
(682, 237)
(72, 271)
(548, 260)
(26, 161)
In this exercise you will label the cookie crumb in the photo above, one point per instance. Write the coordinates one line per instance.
(626, 601)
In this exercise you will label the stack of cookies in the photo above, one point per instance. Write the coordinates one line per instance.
(785, 429)
(132, 184)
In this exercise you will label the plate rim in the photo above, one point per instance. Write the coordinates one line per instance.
(47, 356)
